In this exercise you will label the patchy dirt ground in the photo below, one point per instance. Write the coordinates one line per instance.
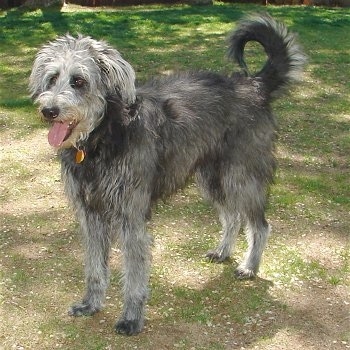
(300, 300)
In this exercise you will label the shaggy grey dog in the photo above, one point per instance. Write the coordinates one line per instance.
(123, 148)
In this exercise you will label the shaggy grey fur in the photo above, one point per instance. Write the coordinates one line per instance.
(143, 144)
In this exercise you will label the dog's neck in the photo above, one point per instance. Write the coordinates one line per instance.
(113, 130)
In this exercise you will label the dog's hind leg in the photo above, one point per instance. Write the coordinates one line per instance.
(97, 241)
(231, 224)
(209, 180)
(237, 198)
(252, 204)
(257, 231)
(135, 243)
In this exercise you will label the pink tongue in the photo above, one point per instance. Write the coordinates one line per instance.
(58, 133)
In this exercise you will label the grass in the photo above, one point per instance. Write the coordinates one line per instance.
(194, 305)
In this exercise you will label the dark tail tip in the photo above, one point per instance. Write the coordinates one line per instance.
(285, 60)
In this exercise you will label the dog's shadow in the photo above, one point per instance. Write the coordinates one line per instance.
(223, 310)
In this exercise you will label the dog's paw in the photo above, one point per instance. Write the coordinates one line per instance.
(129, 327)
(214, 256)
(82, 309)
(244, 274)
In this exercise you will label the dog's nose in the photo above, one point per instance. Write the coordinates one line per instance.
(50, 112)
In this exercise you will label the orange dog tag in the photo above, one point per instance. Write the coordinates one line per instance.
(80, 156)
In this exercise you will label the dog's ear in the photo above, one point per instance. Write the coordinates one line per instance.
(116, 110)
(117, 75)
(115, 123)
(44, 67)
(119, 112)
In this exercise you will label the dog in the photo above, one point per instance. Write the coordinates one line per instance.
(122, 148)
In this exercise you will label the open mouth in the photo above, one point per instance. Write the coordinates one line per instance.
(59, 132)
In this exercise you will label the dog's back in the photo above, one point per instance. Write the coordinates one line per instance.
(198, 118)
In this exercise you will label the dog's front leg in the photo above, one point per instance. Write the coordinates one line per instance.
(136, 249)
(97, 249)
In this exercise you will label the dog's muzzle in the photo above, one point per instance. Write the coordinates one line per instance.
(60, 129)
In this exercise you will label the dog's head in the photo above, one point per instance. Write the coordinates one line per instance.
(71, 80)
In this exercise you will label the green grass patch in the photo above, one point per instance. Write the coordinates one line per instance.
(292, 269)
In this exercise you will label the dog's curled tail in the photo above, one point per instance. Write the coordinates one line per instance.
(285, 58)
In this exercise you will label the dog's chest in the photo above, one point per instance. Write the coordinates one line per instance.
(94, 183)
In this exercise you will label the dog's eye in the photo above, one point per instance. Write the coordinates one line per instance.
(53, 80)
(78, 82)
